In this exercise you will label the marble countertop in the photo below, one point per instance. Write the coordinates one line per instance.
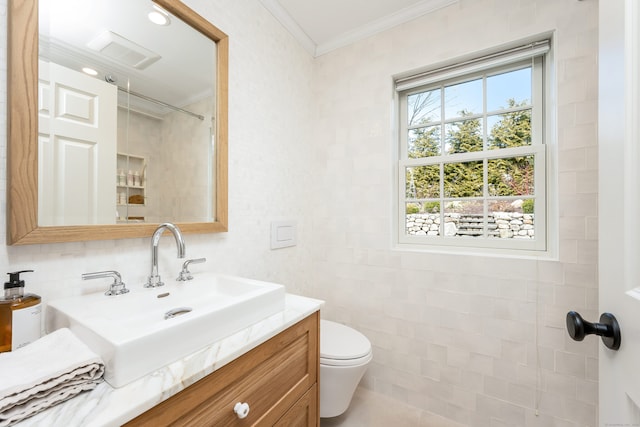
(108, 406)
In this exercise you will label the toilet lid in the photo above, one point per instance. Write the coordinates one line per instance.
(342, 342)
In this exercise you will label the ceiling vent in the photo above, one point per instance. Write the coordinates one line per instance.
(123, 51)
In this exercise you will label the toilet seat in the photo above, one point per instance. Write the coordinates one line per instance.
(346, 362)
(341, 345)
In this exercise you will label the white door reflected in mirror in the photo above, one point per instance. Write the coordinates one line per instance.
(76, 147)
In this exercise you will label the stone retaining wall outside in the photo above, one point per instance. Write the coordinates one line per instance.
(504, 225)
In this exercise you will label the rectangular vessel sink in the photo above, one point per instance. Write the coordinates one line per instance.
(141, 331)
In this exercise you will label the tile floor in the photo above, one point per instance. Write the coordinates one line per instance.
(371, 409)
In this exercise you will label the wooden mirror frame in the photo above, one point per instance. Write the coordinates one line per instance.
(22, 135)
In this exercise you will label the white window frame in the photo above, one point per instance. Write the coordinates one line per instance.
(533, 54)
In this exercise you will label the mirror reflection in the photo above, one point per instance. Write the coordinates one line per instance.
(126, 109)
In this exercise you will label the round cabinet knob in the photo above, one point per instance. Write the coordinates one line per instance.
(241, 410)
(608, 329)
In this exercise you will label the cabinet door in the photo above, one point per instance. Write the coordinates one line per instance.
(304, 413)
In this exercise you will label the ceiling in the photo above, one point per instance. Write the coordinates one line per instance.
(322, 26)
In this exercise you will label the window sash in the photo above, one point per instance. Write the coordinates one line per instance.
(539, 197)
(537, 149)
(536, 102)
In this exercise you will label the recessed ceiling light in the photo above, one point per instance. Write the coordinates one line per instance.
(159, 16)
(89, 71)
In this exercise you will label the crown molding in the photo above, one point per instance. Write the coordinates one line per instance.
(374, 27)
(344, 39)
(274, 7)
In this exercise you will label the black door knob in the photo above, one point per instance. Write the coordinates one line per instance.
(608, 329)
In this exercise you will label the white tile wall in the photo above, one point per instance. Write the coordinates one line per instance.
(182, 198)
(474, 339)
(488, 334)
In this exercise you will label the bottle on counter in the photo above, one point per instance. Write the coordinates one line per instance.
(20, 314)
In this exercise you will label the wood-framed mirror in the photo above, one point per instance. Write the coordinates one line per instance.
(24, 149)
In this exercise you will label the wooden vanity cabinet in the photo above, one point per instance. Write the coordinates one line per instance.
(278, 379)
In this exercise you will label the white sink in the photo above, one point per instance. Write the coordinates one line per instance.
(133, 336)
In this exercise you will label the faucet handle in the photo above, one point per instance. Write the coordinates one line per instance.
(117, 287)
(185, 274)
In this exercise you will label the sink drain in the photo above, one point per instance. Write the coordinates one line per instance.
(176, 312)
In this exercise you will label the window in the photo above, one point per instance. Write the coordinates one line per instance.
(472, 166)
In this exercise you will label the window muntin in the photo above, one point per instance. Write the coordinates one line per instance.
(472, 160)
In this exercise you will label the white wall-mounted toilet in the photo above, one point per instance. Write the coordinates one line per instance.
(344, 356)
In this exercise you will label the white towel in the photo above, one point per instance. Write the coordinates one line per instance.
(44, 373)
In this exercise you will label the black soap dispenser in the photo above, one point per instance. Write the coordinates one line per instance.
(20, 314)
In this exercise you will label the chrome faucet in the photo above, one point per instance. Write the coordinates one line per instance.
(185, 274)
(117, 287)
(154, 279)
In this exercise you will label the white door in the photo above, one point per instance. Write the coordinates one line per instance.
(619, 208)
(77, 144)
